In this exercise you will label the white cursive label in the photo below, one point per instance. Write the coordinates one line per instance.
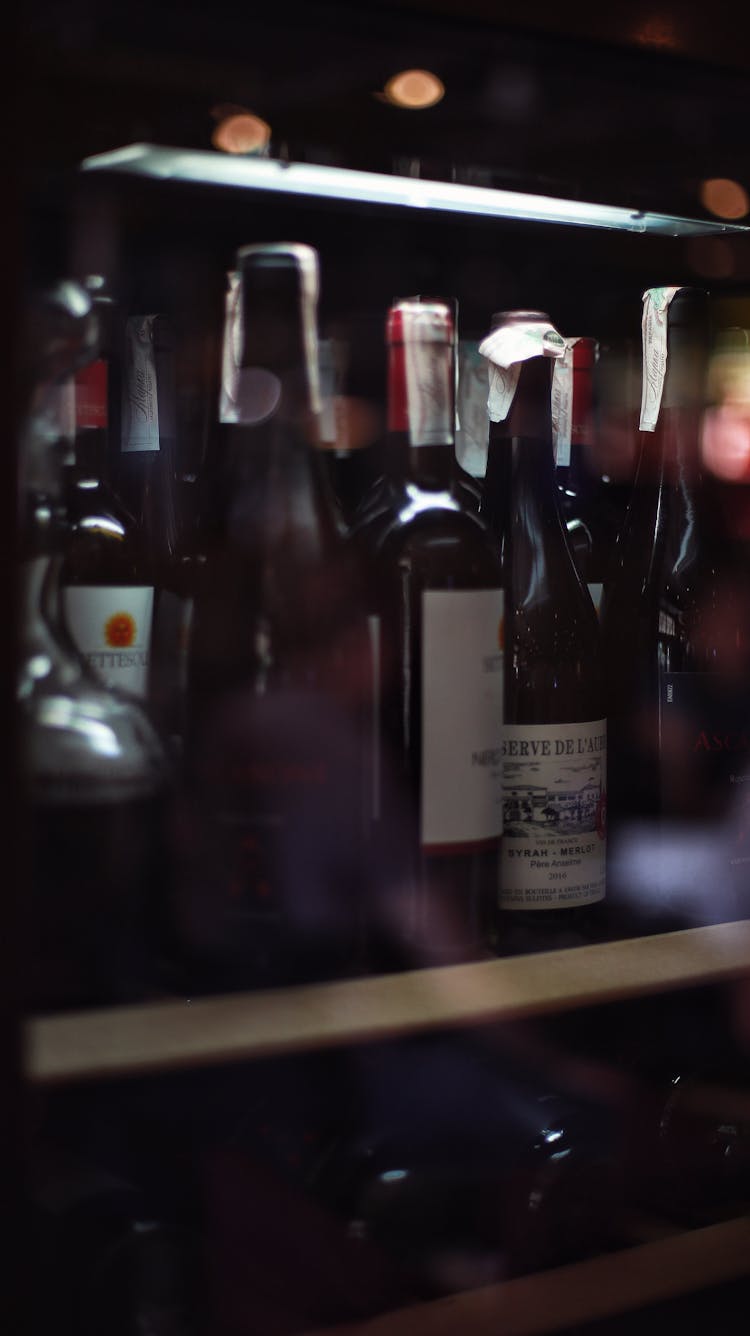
(654, 327)
(562, 404)
(140, 428)
(429, 392)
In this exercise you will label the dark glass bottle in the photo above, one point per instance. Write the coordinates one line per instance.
(555, 732)
(436, 606)
(95, 779)
(464, 1169)
(270, 840)
(676, 623)
(148, 474)
(106, 576)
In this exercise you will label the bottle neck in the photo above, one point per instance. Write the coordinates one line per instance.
(421, 415)
(276, 485)
(671, 453)
(520, 484)
(90, 460)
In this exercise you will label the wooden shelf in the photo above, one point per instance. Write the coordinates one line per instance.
(568, 1296)
(130, 1040)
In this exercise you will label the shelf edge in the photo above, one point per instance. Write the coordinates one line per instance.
(170, 1035)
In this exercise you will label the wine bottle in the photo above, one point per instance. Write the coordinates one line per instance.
(678, 696)
(464, 1169)
(147, 469)
(95, 778)
(270, 842)
(106, 576)
(555, 732)
(437, 607)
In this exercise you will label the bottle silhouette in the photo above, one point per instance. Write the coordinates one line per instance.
(95, 778)
(555, 732)
(107, 576)
(271, 836)
(436, 612)
(677, 697)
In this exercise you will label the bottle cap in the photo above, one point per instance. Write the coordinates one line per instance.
(515, 338)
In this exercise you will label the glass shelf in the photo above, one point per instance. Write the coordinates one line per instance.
(299, 179)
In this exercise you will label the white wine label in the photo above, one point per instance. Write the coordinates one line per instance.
(462, 712)
(231, 350)
(140, 416)
(503, 382)
(554, 815)
(111, 625)
(654, 330)
(562, 405)
(509, 345)
(429, 392)
(472, 427)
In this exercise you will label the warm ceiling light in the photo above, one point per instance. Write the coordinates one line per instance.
(725, 198)
(657, 32)
(414, 89)
(241, 133)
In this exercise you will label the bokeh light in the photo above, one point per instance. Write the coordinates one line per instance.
(724, 198)
(241, 132)
(414, 89)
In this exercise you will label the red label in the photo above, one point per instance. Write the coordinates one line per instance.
(91, 395)
(398, 405)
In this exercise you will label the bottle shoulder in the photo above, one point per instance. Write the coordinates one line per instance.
(421, 524)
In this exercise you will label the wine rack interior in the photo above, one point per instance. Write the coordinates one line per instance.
(164, 224)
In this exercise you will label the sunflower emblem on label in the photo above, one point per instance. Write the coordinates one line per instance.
(120, 630)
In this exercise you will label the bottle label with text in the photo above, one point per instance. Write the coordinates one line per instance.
(654, 332)
(112, 628)
(554, 815)
(462, 712)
